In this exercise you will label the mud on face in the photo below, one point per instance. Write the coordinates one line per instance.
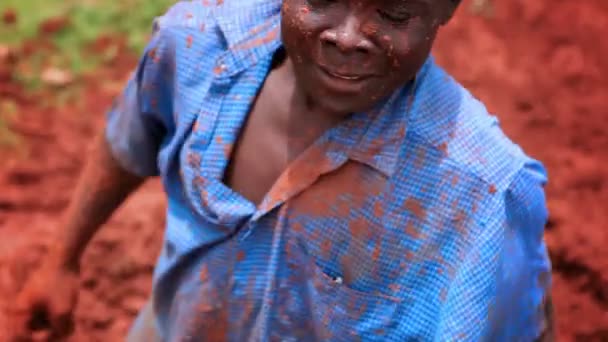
(350, 54)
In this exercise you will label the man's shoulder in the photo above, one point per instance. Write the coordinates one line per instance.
(186, 41)
(191, 36)
(448, 118)
(182, 30)
(188, 14)
(183, 14)
(232, 18)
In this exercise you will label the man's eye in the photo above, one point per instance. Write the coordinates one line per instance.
(396, 18)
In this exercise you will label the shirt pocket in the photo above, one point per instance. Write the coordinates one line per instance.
(345, 314)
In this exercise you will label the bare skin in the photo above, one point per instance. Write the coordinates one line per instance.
(281, 125)
(102, 187)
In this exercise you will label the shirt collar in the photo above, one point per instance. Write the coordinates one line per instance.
(376, 138)
(252, 31)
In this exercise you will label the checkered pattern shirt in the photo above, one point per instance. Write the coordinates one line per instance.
(418, 220)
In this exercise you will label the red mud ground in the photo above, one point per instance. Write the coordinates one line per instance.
(540, 65)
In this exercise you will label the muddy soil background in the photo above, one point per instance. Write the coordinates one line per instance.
(539, 65)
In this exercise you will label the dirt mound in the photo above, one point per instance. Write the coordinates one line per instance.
(540, 65)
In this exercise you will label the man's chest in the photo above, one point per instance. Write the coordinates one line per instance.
(339, 204)
(363, 247)
(273, 135)
(395, 207)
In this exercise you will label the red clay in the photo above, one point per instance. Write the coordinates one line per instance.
(539, 65)
(9, 16)
(53, 25)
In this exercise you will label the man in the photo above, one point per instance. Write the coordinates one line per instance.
(325, 181)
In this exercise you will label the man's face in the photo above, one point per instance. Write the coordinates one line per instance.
(350, 54)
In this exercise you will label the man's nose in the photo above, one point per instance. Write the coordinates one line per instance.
(347, 37)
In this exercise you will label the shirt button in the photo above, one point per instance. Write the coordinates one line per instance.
(338, 280)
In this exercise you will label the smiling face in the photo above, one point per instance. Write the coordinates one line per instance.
(350, 54)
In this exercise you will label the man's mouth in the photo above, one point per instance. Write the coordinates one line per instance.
(344, 76)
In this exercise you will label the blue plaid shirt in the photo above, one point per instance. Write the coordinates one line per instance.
(419, 220)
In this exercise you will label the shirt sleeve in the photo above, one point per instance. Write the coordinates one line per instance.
(524, 272)
(500, 286)
(140, 118)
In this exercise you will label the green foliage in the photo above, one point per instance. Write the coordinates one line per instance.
(87, 21)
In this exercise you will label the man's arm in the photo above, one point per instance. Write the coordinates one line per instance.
(102, 187)
(127, 151)
(524, 288)
(505, 280)
(120, 159)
